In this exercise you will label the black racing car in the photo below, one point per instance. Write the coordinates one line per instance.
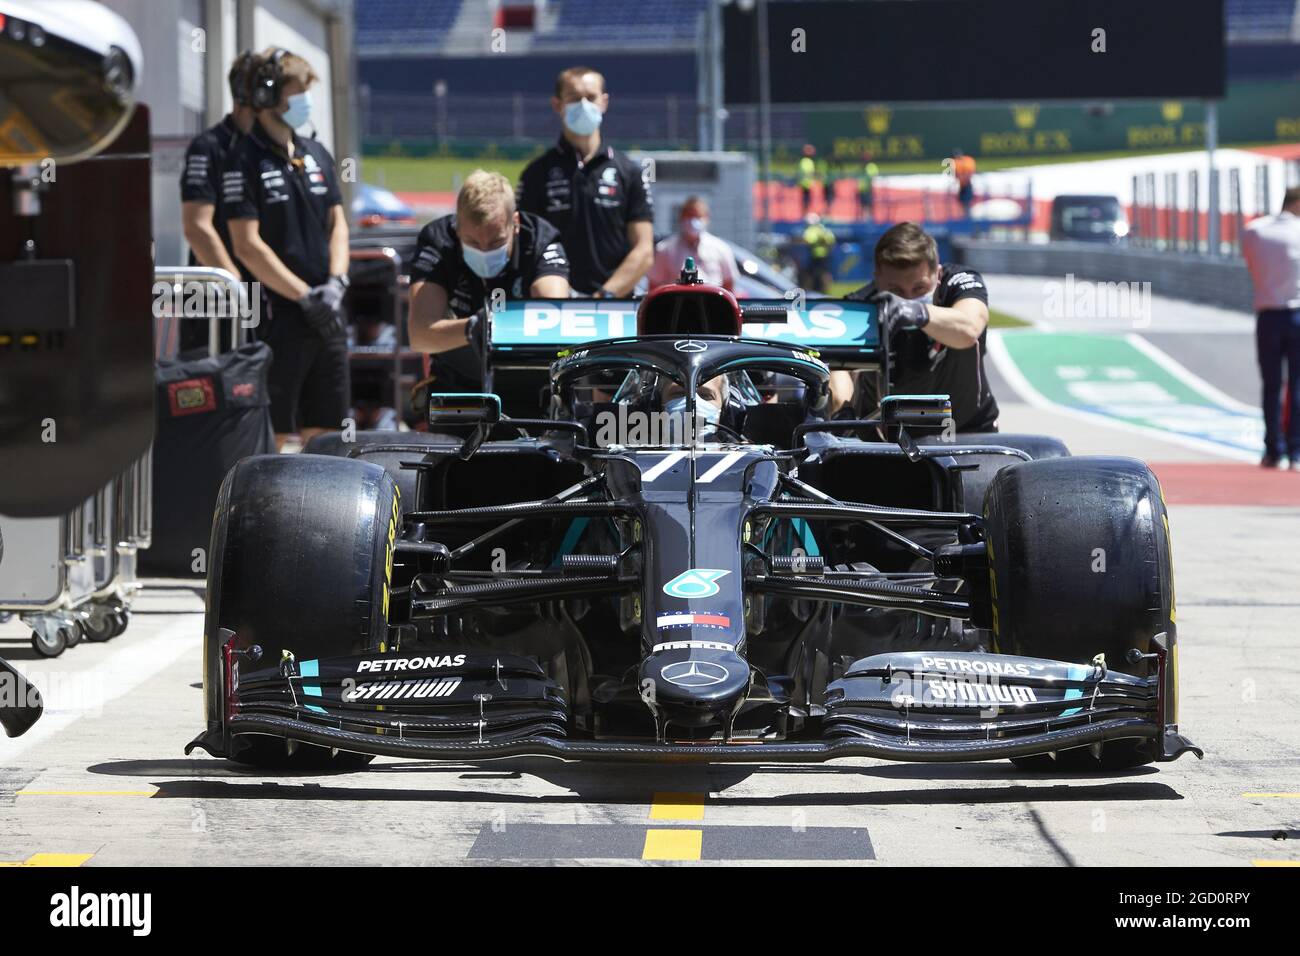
(682, 558)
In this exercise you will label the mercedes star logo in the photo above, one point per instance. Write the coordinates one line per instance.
(689, 346)
(694, 673)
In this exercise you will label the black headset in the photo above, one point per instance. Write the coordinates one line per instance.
(241, 74)
(268, 81)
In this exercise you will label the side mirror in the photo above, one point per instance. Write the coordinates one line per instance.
(481, 410)
(463, 408)
(915, 411)
(69, 71)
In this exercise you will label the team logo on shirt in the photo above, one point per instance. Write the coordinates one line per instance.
(608, 185)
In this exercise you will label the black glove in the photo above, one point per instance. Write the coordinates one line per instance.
(322, 307)
(899, 313)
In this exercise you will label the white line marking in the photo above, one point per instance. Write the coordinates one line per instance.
(1187, 377)
(997, 351)
(663, 465)
(720, 468)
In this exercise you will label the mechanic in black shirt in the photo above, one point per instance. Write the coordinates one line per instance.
(205, 230)
(281, 198)
(597, 198)
(936, 316)
(461, 259)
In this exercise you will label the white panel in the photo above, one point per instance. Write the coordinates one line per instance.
(299, 29)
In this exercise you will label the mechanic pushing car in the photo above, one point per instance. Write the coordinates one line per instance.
(937, 315)
(598, 198)
(462, 259)
(280, 195)
(207, 232)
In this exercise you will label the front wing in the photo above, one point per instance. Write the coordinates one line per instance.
(913, 706)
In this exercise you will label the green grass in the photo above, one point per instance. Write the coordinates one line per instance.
(442, 173)
(1000, 320)
(406, 174)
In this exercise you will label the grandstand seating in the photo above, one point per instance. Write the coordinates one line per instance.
(649, 23)
(598, 24)
(410, 22)
(1259, 19)
(672, 24)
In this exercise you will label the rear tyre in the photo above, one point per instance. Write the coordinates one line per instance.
(975, 483)
(1080, 565)
(332, 443)
(301, 557)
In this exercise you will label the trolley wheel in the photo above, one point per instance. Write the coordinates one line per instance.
(74, 633)
(51, 643)
(100, 624)
(121, 620)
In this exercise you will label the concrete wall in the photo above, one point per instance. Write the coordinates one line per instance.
(188, 47)
(1206, 279)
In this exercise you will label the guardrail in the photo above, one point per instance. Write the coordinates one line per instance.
(1210, 280)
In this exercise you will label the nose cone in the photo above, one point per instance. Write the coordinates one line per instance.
(695, 685)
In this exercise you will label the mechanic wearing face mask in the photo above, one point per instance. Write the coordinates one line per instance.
(462, 258)
(281, 198)
(935, 316)
(597, 198)
(205, 158)
(714, 261)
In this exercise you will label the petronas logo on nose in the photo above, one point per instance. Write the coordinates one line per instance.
(695, 583)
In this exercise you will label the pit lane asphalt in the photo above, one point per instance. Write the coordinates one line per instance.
(101, 778)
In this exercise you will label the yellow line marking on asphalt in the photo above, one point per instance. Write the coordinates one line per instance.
(85, 793)
(1276, 862)
(677, 806)
(51, 859)
(1275, 796)
(675, 844)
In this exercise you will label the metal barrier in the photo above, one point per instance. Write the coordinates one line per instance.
(77, 574)
(239, 304)
(1175, 216)
(77, 577)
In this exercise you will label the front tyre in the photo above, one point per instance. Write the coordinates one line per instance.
(301, 561)
(1080, 565)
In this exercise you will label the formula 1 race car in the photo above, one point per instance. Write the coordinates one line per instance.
(684, 559)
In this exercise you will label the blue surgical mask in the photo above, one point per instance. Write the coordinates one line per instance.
(706, 414)
(928, 298)
(299, 111)
(486, 264)
(583, 117)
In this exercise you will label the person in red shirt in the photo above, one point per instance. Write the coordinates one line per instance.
(714, 261)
